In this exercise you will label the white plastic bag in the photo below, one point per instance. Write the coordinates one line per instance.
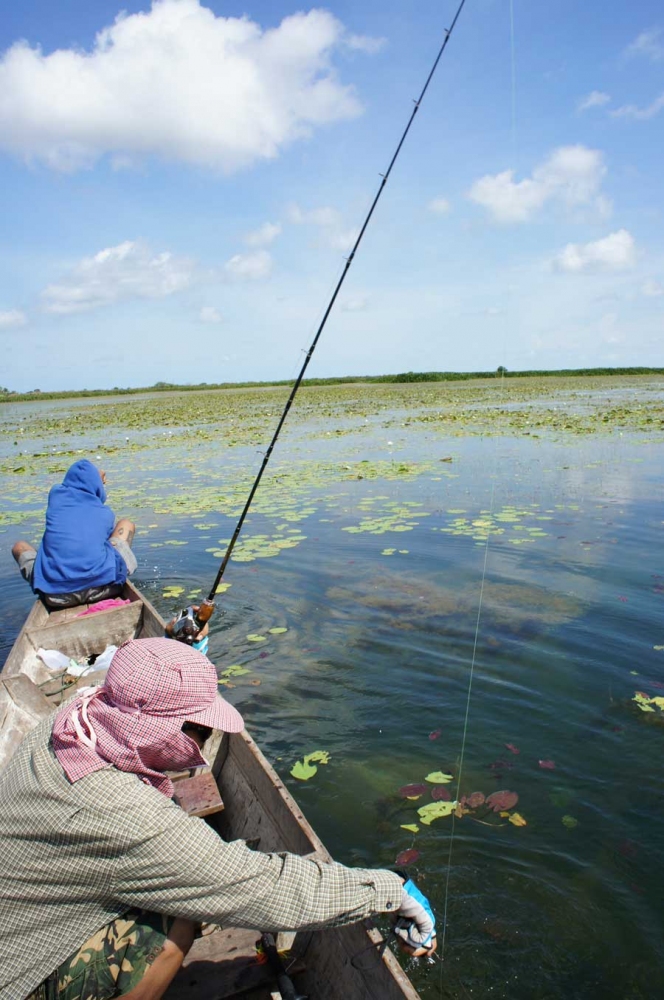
(53, 659)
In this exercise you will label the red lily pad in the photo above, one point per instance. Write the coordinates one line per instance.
(502, 801)
(410, 791)
(548, 765)
(510, 746)
(408, 857)
(475, 799)
(440, 793)
(435, 734)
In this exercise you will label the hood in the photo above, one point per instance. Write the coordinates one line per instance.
(85, 476)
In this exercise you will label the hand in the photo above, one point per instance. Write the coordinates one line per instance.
(415, 926)
(103, 476)
(206, 628)
(201, 635)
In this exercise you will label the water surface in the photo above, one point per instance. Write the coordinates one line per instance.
(444, 594)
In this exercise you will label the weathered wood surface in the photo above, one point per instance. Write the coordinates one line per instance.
(221, 965)
(199, 795)
(258, 806)
(81, 637)
(22, 706)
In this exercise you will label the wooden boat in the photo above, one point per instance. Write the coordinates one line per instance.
(247, 801)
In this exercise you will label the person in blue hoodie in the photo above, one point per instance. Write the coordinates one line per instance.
(84, 555)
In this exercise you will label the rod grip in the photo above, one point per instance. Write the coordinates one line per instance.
(204, 612)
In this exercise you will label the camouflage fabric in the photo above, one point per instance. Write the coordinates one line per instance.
(110, 963)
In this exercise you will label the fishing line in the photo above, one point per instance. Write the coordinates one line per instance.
(209, 602)
(501, 399)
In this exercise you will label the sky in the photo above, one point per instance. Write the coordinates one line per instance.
(181, 181)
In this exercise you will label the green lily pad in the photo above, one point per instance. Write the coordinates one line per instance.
(435, 810)
(439, 778)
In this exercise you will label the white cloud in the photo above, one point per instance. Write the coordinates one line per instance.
(640, 114)
(595, 99)
(323, 217)
(264, 235)
(176, 82)
(647, 44)
(329, 221)
(365, 43)
(342, 239)
(615, 252)
(249, 266)
(12, 318)
(571, 175)
(358, 304)
(209, 314)
(652, 289)
(118, 274)
(439, 206)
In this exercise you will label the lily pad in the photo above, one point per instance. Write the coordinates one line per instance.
(439, 778)
(435, 810)
(475, 799)
(408, 857)
(502, 800)
(516, 819)
(255, 637)
(305, 769)
(441, 794)
(412, 791)
(411, 827)
(570, 822)
(278, 630)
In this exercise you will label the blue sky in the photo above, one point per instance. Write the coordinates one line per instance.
(178, 186)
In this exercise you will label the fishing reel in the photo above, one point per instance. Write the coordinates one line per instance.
(185, 628)
(189, 624)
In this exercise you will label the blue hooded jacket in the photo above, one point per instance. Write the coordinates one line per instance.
(75, 552)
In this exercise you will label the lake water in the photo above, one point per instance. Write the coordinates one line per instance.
(443, 597)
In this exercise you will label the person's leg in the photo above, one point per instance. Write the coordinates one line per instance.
(121, 539)
(124, 529)
(135, 956)
(160, 974)
(25, 556)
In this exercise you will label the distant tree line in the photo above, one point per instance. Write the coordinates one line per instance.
(7, 395)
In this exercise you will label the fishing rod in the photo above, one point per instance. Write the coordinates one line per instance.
(190, 621)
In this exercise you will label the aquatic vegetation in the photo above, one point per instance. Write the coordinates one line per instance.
(408, 857)
(440, 794)
(501, 801)
(306, 768)
(412, 791)
(647, 704)
(439, 778)
(435, 810)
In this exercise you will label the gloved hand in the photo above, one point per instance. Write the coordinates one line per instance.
(416, 924)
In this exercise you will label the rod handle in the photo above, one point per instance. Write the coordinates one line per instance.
(204, 612)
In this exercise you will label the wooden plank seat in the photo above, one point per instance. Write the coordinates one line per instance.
(198, 795)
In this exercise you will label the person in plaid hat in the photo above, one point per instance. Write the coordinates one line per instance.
(105, 879)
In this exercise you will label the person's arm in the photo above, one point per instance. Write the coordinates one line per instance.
(186, 870)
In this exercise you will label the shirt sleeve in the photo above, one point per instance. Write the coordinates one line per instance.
(186, 870)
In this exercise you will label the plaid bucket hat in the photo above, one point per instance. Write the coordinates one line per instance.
(134, 720)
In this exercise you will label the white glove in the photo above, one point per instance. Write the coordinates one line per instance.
(416, 925)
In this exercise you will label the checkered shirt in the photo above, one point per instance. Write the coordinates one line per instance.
(75, 856)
